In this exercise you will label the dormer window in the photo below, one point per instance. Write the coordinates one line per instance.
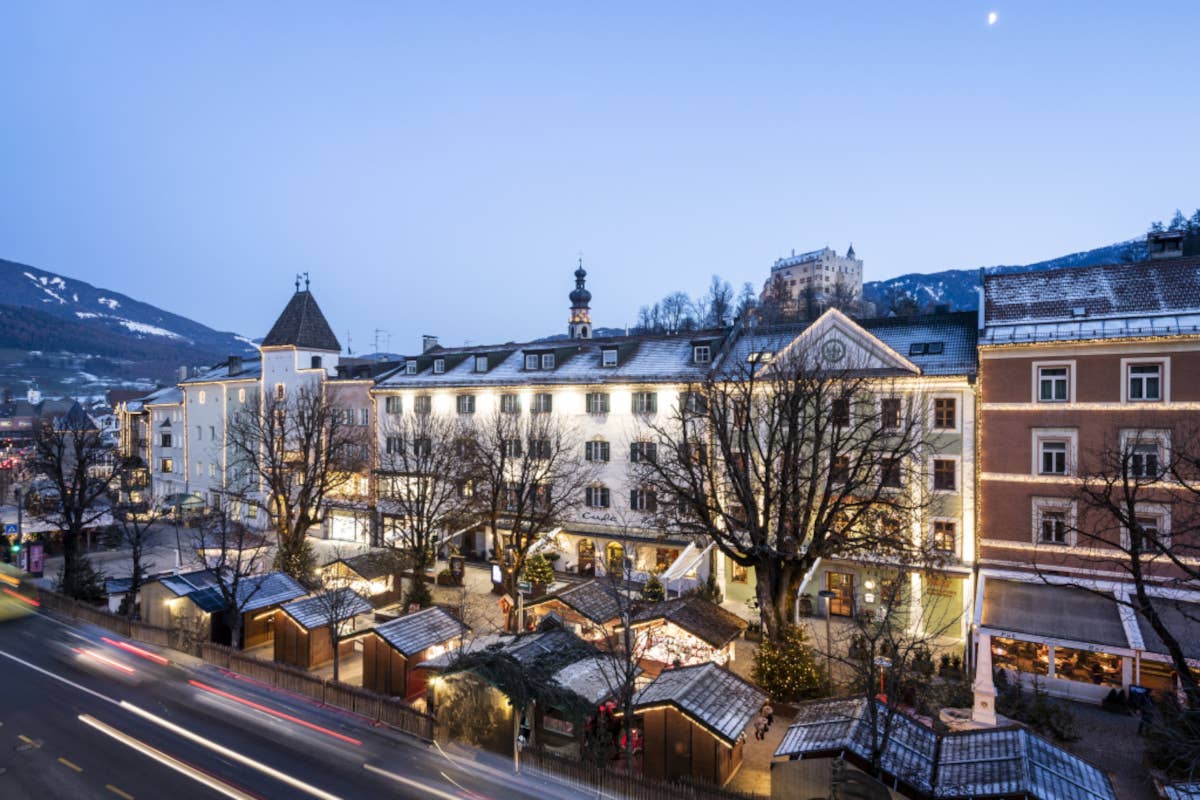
(548, 361)
(760, 357)
(410, 368)
(481, 363)
(531, 361)
(608, 357)
(701, 354)
(439, 366)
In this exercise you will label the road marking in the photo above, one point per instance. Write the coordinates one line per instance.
(29, 741)
(118, 792)
(69, 765)
(411, 783)
(274, 713)
(59, 678)
(230, 754)
(166, 760)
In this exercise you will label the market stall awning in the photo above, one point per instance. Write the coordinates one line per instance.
(1066, 613)
(1182, 620)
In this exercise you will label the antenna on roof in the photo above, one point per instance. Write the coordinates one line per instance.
(297, 281)
(306, 281)
(349, 351)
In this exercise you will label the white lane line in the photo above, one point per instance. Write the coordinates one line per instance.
(432, 790)
(166, 760)
(263, 768)
(60, 678)
(230, 754)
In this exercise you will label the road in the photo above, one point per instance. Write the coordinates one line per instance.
(82, 715)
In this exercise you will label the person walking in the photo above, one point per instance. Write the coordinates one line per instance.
(769, 713)
(760, 728)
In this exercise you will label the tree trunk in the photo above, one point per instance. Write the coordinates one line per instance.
(764, 592)
(336, 660)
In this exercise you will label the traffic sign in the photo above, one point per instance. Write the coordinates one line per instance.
(9, 528)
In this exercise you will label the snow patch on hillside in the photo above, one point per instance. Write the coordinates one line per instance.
(108, 301)
(153, 330)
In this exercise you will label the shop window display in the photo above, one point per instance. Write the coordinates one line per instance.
(1022, 656)
(1085, 666)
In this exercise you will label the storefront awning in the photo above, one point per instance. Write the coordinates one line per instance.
(1182, 620)
(1065, 613)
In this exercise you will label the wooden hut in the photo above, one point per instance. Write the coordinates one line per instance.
(302, 635)
(373, 575)
(392, 651)
(686, 631)
(692, 721)
(259, 597)
(592, 610)
(165, 602)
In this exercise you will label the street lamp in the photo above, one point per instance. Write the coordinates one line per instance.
(827, 595)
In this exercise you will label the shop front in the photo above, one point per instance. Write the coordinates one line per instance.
(1069, 640)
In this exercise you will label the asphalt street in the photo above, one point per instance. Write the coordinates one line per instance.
(84, 713)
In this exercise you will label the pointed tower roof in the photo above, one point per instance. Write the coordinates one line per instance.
(302, 325)
(850, 252)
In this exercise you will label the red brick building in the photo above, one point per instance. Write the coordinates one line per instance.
(1084, 372)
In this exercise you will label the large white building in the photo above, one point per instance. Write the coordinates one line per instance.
(820, 275)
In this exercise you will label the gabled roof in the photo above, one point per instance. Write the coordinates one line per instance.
(185, 583)
(302, 325)
(316, 611)
(697, 616)
(526, 648)
(595, 679)
(414, 633)
(254, 592)
(1001, 762)
(717, 699)
(597, 600)
(367, 566)
(1098, 302)
(251, 370)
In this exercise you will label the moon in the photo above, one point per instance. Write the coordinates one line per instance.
(992, 17)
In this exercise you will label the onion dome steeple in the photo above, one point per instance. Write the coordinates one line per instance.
(579, 325)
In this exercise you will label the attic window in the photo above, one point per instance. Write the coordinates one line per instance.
(531, 361)
(935, 348)
(1078, 311)
(481, 363)
(548, 361)
(916, 349)
(410, 368)
(701, 354)
(608, 357)
(439, 366)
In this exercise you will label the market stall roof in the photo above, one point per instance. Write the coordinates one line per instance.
(1059, 612)
(1182, 620)
(967, 764)
(187, 582)
(716, 698)
(697, 616)
(413, 633)
(526, 648)
(254, 592)
(316, 611)
(1181, 791)
(598, 600)
(595, 679)
(368, 566)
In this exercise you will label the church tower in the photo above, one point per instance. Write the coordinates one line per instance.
(579, 325)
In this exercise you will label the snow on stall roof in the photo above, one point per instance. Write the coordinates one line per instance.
(965, 764)
(315, 612)
(717, 699)
(413, 633)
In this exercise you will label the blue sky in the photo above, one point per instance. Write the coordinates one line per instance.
(437, 167)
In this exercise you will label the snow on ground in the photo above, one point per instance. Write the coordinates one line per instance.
(108, 301)
(153, 330)
(87, 315)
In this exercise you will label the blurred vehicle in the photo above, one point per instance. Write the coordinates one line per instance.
(18, 595)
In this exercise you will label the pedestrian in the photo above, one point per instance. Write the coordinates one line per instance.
(769, 713)
(760, 728)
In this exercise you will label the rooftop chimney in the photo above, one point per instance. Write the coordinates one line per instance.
(235, 365)
(1164, 244)
(183, 373)
(428, 343)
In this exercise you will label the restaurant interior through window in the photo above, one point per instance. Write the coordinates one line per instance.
(1054, 661)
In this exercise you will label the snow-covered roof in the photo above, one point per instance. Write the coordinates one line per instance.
(982, 763)
(317, 611)
(251, 369)
(717, 699)
(413, 633)
(1152, 298)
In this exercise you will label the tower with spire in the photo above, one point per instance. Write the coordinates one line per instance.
(579, 325)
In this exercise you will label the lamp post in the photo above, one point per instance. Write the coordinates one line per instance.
(827, 595)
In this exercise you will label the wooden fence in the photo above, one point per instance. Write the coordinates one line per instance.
(391, 711)
(607, 783)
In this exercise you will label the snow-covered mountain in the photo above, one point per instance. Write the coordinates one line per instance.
(63, 331)
(956, 287)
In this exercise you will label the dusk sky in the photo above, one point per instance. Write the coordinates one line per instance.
(437, 167)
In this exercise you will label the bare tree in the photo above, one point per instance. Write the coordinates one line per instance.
(527, 474)
(777, 303)
(135, 532)
(235, 555)
(287, 454)
(1138, 514)
(677, 312)
(788, 461)
(70, 453)
(424, 489)
(716, 309)
(747, 302)
(338, 605)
